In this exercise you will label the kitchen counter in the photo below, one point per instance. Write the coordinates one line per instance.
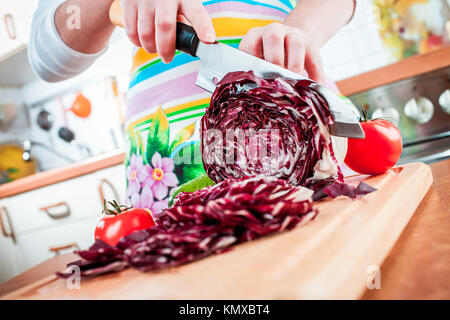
(418, 267)
(73, 170)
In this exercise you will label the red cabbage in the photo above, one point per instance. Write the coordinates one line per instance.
(272, 127)
(338, 188)
(204, 222)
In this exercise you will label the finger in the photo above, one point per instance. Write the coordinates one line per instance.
(295, 53)
(130, 23)
(196, 13)
(181, 18)
(146, 26)
(165, 22)
(252, 43)
(313, 65)
(273, 45)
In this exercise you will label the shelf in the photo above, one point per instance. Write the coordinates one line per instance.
(407, 68)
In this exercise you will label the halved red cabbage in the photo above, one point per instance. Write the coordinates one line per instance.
(204, 222)
(272, 127)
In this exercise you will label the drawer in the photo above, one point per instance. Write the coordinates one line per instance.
(35, 246)
(56, 204)
(112, 183)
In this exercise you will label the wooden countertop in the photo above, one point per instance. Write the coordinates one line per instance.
(404, 69)
(73, 170)
(418, 267)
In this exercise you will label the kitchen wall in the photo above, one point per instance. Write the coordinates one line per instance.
(410, 27)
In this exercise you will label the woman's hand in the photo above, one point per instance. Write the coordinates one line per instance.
(151, 24)
(286, 46)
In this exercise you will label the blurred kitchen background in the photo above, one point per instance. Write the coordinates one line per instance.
(393, 59)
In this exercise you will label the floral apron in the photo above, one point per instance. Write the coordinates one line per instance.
(164, 106)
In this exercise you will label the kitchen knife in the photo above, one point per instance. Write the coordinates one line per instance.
(218, 59)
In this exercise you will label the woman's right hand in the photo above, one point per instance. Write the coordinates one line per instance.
(152, 24)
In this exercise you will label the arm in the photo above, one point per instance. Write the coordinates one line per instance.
(96, 28)
(295, 44)
(321, 18)
(57, 52)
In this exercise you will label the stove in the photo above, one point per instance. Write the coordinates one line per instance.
(420, 107)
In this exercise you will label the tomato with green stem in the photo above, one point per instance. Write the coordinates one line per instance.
(121, 221)
(379, 151)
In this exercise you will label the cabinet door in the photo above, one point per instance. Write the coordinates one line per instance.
(36, 247)
(55, 205)
(15, 24)
(11, 263)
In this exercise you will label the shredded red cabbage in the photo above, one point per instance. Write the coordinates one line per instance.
(280, 128)
(204, 222)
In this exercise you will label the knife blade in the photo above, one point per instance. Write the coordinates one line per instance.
(218, 59)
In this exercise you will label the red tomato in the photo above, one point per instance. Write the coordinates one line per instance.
(121, 222)
(378, 152)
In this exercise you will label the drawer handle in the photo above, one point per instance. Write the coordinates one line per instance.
(111, 186)
(10, 26)
(10, 233)
(60, 215)
(57, 250)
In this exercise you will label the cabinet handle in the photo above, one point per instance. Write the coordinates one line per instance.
(10, 27)
(56, 250)
(61, 215)
(111, 186)
(10, 233)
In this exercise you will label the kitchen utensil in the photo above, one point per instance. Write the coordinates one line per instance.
(335, 256)
(81, 106)
(66, 134)
(218, 59)
(45, 120)
(12, 165)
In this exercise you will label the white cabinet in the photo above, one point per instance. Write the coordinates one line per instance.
(57, 204)
(54, 217)
(38, 246)
(15, 24)
(11, 262)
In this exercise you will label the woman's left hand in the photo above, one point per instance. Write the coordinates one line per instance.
(286, 46)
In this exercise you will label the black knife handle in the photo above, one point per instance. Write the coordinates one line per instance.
(187, 39)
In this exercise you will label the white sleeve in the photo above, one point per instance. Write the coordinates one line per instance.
(49, 56)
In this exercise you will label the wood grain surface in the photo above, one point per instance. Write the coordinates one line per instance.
(326, 258)
(64, 173)
(404, 69)
(419, 265)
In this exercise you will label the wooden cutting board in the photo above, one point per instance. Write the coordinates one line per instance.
(331, 257)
